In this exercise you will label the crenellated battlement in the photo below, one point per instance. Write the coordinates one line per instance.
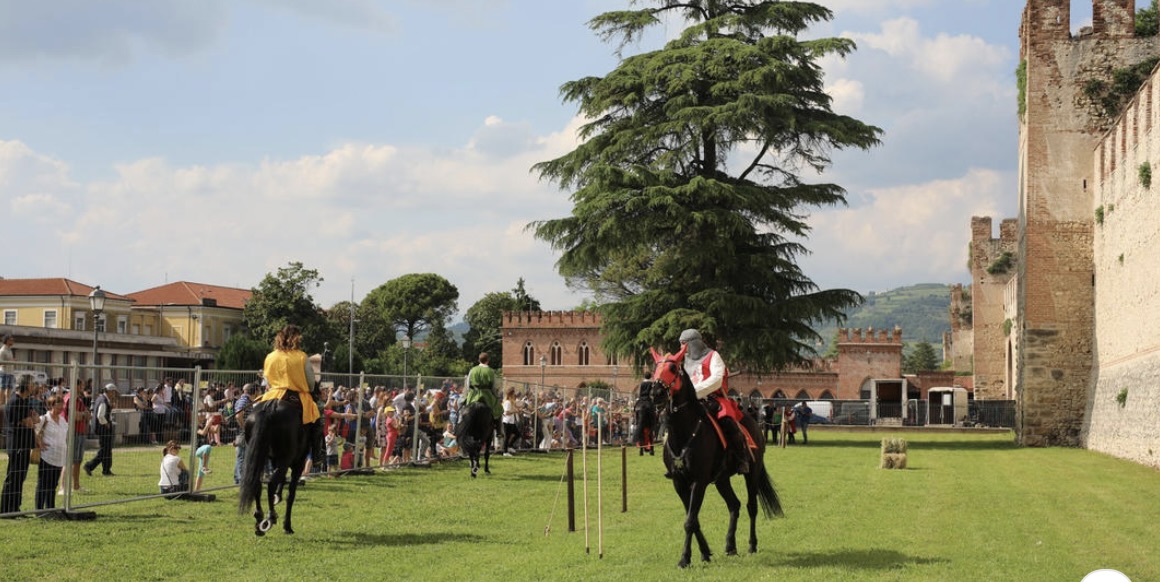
(543, 319)
(856, 335)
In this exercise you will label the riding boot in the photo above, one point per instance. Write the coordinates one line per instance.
(738, 447)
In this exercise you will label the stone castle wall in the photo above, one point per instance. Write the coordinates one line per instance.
(1055, 331)
(989, 281)
(1127, 292)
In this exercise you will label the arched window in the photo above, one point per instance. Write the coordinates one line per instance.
(826, 395)
(612, 360)
(529, 354)
(779, 395)
(803, 395)
(582, 354)
(557, 354)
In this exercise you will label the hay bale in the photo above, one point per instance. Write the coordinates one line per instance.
(893, 461)
(893, 453)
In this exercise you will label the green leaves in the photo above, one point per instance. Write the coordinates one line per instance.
(686, 191)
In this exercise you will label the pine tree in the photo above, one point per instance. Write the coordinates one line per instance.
(687, 194)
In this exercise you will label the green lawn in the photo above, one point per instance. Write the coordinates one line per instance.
(967, 508)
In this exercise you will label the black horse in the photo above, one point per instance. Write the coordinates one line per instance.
(274, 433)
(645, 416)
(695, 456)
(475, 432)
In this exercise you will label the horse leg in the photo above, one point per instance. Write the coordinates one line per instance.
(259, 515)
(725, 488)
(751, 507)
(273, 491)
(295, 475)
(487, 454)
(692, 495)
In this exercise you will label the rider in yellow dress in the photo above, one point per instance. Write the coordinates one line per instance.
(287, 368)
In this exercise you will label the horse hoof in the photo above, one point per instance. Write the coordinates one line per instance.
(683, 564)
(264, 526)
(288, 531)
(259, 532)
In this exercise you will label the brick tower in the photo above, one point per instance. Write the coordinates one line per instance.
(1059, 129)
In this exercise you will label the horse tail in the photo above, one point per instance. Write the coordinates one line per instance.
(257, 451)
(766, 494)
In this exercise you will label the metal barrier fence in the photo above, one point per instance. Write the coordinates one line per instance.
(122, 462)
(195, 409)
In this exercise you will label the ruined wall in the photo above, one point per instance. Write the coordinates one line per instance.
(959, 342)
(1127, 292)
(993, 264)
(1058, 132)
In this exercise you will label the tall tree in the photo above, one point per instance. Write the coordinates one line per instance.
(412, 303)
(922, 358)
(285, 298)
(371, 333)
(242, 352)
(686, 190)
(485, 319)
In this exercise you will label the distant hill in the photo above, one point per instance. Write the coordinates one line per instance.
(921, 310)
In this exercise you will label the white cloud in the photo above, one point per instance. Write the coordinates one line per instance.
(913, 233)
(368, 211)
(962, 60)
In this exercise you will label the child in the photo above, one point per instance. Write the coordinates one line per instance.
(333, 442)
(202, 454)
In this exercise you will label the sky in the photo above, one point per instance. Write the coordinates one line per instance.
(216, 141)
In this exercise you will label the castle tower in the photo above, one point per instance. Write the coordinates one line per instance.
(1059, 128)
(993, 265)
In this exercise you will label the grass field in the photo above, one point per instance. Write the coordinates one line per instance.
(967, 508)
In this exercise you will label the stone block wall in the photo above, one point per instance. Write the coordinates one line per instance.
(989, 280)
(866, 356)
(1127, 286)
(1058, 131)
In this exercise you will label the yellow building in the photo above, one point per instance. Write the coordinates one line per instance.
(178, 325)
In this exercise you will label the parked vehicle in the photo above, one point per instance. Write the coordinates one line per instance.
(857, 413)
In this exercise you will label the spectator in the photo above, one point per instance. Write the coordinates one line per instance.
(511, 427)
(174, 474)
(333, 445)
(7, 357)
(144, 408)
(21, 418)
(104, 427)
(80, 429)
(803, 414)
(202, 453)
(770, 427)
(241, 409)
(790, 420)
(52, 440)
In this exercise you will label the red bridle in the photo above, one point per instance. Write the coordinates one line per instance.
(667, 373)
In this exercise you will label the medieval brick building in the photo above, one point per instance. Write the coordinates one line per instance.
(562, 349)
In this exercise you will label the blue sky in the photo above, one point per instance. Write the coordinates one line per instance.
(215, 141)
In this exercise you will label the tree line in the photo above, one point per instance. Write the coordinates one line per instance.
(418, 306)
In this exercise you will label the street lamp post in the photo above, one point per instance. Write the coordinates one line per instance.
(97, 304)
(406, 352)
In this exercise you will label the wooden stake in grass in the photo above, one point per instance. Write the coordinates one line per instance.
(893, 454)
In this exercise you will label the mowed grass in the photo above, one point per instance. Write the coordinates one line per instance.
(967, 508)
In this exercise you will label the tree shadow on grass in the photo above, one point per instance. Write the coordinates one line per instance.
(868, 559)
(361, 538)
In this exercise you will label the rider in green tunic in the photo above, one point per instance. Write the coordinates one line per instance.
(481, 386)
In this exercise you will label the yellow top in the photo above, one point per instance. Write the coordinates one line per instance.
(287, 371)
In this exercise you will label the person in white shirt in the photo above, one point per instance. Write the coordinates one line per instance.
(52, 440)
(172, 468)
(7, 356)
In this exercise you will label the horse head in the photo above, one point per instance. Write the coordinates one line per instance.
(668, 371)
